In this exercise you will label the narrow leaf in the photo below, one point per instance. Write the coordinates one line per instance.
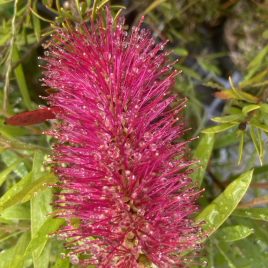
(7, 171)
(228, 118)
(260, 126)
(20, 78)
(18, 212)
(252, 213)
(203, 153)
(234, 233)
(241, 146)
(250, 108)
(256, 142)
(40, 239)
(40, 208)
(219, 128)
(216, 213)
(24, 190)
(153, 5)
(17, 260)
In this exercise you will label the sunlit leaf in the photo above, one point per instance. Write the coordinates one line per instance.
(216, 213)
(41, 237)
(24, 190)
(242, 95)
(264, 107)
(228, 118)
(250, 108)
(220, 128)
(40, 209)
(62, 263)
(17, 258)
(17, 212)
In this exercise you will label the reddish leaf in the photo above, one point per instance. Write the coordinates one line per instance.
(33, 117)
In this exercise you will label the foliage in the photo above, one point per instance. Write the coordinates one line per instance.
(223, 54)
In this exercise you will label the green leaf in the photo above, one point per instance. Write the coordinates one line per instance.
(249, 108)
(41, 237)
(24, 190)
(62, 263)
(18, 212)
(10, 132)
(225, 139)
(219, 128)
(6, 257)
(203, 153)
(20, 78)
(180, 51)
(241, 146)
(216, 213)
(228, 118)
(36, 24)
(5, 172)
(188, 71)
(234, 233)
(256, 80)
(257, 141)
(208, 66)
(17, 260)
(264, 108)
(260, 126)
(9, 158)
(153, 5)
(40, 208)
(257, 61)
(252, 213)
(43, 260)
(225, 256)
(40, 17)
(242, 95)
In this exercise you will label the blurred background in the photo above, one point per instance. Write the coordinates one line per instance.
(223, 54)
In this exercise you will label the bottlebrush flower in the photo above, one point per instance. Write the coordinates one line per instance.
(125, 190)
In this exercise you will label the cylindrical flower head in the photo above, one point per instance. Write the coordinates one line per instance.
(125, 190)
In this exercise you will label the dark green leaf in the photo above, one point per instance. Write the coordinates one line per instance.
(20, 78)
(234, 233)
(252, 213)
(203, 153)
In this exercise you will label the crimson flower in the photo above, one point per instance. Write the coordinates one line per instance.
(125, 190)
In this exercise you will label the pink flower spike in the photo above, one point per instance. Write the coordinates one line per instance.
(125, 190)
